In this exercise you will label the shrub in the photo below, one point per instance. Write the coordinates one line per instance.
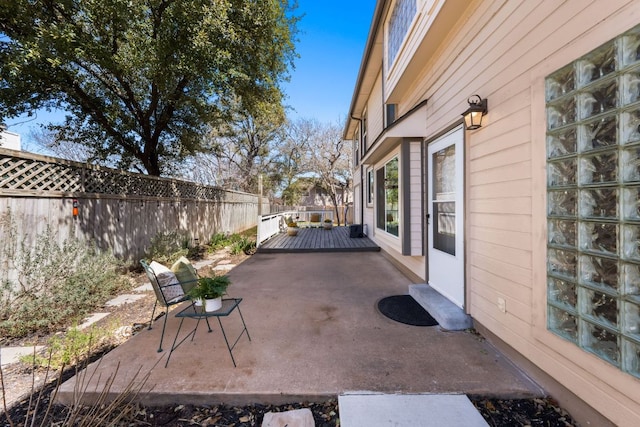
(243, 244)
(166, 248)
(218, 241)
(55, 283)
(68, 349)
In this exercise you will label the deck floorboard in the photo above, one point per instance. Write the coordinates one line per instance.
(318, 240)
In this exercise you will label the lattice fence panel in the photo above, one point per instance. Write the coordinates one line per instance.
(33, 173)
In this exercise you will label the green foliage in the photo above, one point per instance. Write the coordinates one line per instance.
(239, 242)
(219, 241)
(55, 283)
(210, 287)
(166, 248)
(143, 81)
(68, 349)
(243, 245)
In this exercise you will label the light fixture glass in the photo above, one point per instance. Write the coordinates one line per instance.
(473, 115)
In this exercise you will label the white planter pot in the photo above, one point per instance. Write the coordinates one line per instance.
(213, 304)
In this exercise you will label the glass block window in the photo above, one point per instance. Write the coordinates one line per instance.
(401, 17)
(593, 201)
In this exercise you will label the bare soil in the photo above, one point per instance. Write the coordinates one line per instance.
(21, 383)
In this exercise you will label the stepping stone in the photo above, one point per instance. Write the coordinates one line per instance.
(295, 418)
(10, 355)
(413, 410)
(144, 288)
(93, 318)
(123, 299)
(200, 264)
(223, 267)
(224, 261)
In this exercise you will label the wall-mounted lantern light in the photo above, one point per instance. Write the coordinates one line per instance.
(473, 116)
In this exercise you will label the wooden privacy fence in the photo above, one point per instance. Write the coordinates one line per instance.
(118, 210)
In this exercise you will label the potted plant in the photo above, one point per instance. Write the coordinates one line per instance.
(209, 291)
(328, 224)
(292, 228)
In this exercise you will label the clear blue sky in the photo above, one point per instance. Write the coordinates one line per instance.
(331, 43)
(331, 39)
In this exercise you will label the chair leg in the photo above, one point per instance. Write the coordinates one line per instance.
(155, 304)
(164, 325)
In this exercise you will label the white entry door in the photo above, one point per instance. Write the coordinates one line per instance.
(445, 183)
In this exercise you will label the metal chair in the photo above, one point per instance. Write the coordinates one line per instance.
(161, 299)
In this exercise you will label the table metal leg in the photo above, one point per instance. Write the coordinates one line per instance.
(243, 324)
(174, 346)
(199, 317)
(227, 341)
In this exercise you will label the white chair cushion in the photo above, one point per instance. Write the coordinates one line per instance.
(166, 278)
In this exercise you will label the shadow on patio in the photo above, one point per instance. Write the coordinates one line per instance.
(315, 333)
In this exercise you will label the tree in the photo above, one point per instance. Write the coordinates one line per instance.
(47, 143)
(293, 157)
(330, 162)
(142, 80)
(246, 145)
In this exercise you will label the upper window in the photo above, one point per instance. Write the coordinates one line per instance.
(593, 201)
(387, 197)
(370, 187)
(364, 132)
(390, 113)
(401, 17)
(356, 148)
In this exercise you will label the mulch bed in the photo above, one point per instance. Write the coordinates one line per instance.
(523, 412)
(497, 412)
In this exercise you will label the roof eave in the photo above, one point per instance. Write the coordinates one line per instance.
(374, 33)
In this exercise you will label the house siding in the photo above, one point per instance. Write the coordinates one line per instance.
(502, 50)
(375, 112)
(416, 203)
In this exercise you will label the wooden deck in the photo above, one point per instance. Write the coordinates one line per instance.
(318, 240)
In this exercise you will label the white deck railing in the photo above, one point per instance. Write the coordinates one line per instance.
(272, 224)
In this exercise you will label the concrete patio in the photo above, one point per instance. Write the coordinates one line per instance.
(315, 333)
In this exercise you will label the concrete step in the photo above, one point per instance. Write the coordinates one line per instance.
(449, 316)
(413, 410)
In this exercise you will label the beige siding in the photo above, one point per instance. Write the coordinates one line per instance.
(415, 181)
(502, 50)
(375, 116)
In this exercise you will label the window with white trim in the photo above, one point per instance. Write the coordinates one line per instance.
(356, 148)
(593, 201)
(387, 197)
(370, 187)
(364, 132)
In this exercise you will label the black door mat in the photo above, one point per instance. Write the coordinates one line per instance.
(405, 309)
